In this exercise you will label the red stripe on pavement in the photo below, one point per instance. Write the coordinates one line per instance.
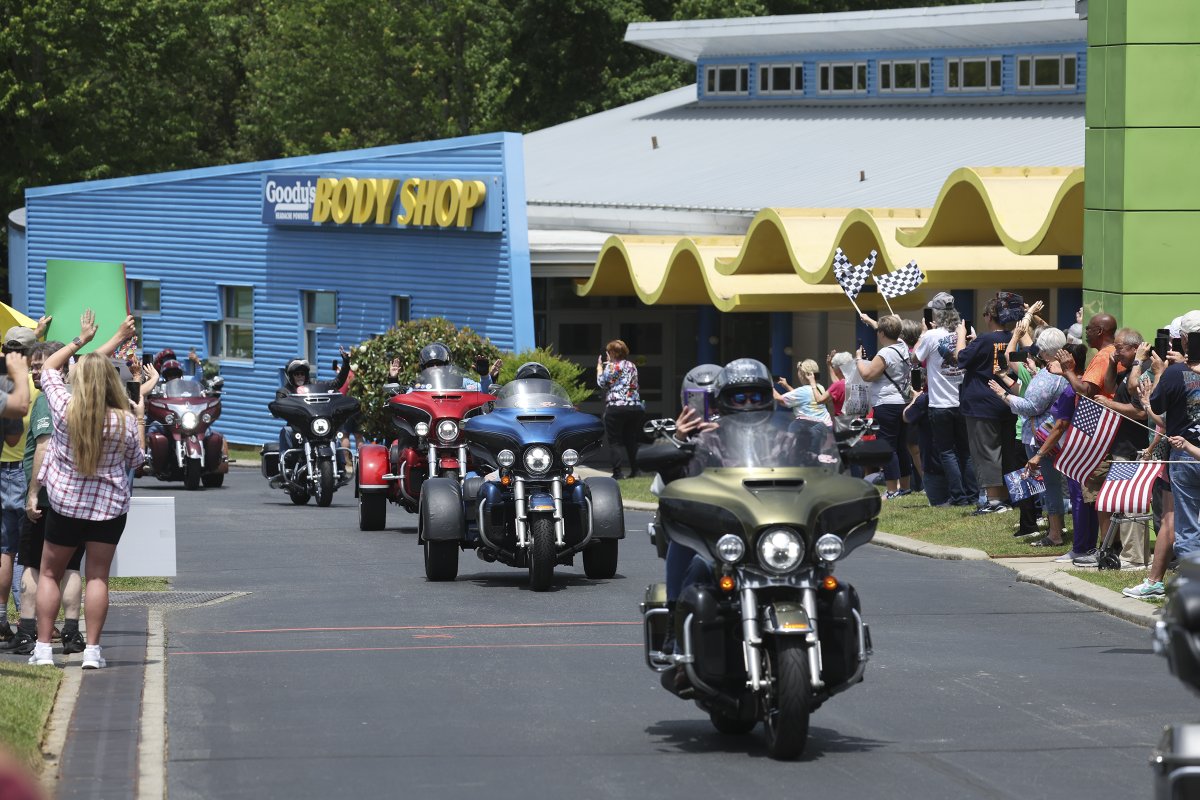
(393, 649)
(431, 627)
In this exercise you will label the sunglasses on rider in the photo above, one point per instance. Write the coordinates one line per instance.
(743, 398)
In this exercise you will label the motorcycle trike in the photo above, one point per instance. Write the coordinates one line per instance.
(532, 511)
(318, 461)
(181, 445)
(765, 632)
(429, 443)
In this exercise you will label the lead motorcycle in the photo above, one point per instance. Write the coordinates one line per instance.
(771, 633)
(535, 512)
(317, 461)
(1176, 760)
(182, 446)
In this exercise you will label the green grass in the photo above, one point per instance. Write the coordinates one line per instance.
(911, 516)
(28, 694)
(139, 584)
(1117, 580)
(637, 489)
(245, 454)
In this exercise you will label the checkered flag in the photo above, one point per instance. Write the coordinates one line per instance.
(900, 282)
(849, 276)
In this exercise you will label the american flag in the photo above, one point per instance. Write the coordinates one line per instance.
(1128, 487)
(1088, 439)
(850, 277)
(900, 282)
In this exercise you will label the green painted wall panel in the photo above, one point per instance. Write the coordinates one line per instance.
(1093, 168)
(1097, 25)
(1094, 252)
(1122, 248)
(1143, 312)
(1161, 171)
(1114, 86)
(1154, 21)
(1167, 91)
(1094, 109)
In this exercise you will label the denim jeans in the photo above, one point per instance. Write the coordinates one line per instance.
(1052, 498)
(1185, 483)
(12, 503)
(679, 558)
(1083, 518)
(950, 441)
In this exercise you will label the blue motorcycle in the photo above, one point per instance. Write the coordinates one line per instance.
(532, 511)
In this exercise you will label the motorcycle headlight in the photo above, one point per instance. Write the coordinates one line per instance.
(731, 548)
(422, 429)
(447, 430)
(320, 426)
(189, 420)
(506, 458)
(829, 547)
(206, 417)
(169, 419)
(570, 457)
(538, 459)
(780, 549)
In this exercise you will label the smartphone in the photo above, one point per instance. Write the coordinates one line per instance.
(1163, 332)
(1162, 343)
(1177, 344)
(1193, 347)
(3, 366)
(698, 400)
(604, 355)
(1018, 356)
(918, 379)
(147, 359)
(928, 314)
(134, 390)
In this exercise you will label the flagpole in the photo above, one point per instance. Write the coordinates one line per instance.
(856, 308)
(886, 303)
(1124, 416)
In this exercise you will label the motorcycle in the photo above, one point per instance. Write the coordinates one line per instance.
(1176, 760)
(771, 633)
(182, 446)
(536, 512)
(429, 444)
(310, 467)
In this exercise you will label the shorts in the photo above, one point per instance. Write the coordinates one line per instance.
(67, 531)
(33, 534)
(1092, 485)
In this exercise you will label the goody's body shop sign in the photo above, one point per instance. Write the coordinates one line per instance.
(425, 201)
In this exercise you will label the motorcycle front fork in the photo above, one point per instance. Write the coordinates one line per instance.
(753, 651)
(521, 515)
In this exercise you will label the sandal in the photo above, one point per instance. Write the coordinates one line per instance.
(1046, 541)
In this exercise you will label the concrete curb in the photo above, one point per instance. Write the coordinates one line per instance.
(1045, 574)
(152, 744)
(55, 737)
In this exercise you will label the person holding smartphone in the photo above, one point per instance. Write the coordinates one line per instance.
(943, 376)
(1176, 398)
(623, 407)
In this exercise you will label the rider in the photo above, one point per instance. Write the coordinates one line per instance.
(298, 380)
(435, 355)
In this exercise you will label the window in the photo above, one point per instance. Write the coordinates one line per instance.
(844, 78)
(898, 77)
(973, 74)
(781, 79)
(233, 336)
(320, 311)
(733, 79)
(401, 308)
(144, 298)
(1042, 73)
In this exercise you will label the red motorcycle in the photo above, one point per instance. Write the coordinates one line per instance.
(181, 446)
(429, 443)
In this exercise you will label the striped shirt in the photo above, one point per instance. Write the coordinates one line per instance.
(104, 495)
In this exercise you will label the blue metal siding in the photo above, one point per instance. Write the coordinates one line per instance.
(203, 231)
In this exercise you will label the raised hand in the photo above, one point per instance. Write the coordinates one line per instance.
(42, 324)
(87, 326)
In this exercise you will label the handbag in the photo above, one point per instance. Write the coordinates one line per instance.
(1042, 432)
(1023, 485)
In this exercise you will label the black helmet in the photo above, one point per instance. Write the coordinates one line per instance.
(744, 385)
(701, 378)
(296, 365)
(433, 355)
(532, 369)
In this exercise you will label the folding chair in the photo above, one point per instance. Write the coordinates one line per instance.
(1108, 556)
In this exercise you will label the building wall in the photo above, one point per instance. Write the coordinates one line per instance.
(200, 230)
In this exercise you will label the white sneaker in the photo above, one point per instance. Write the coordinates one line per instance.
(92, 658)
(43, 655)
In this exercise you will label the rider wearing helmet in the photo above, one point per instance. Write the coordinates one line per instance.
(532, 369)
(171, 370)
(433, 355)
(297, 379)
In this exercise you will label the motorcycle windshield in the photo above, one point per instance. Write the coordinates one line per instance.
(444, 379)
(533, 393)
(755, 439)
(182, 387)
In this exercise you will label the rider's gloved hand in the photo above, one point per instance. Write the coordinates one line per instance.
(689, 423)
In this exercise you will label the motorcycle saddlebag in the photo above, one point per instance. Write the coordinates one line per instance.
(1181, 620)
(1176, 763)
(270, 459)
(710, 633)
(160, 452)
(839, 634)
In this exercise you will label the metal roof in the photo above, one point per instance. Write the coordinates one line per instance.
(671, 153)
(980, 25)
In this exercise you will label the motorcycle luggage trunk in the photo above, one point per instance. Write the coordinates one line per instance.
(270, 460)
(1176, 763)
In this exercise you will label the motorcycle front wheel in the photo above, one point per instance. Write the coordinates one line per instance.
(191, 474)
(541, 553)
(299, 497)
(325, 484)
(787, 711)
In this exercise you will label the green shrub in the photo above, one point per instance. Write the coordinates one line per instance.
(565, 373)
(370, 363)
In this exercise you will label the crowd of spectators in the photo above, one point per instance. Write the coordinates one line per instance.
(970, 411)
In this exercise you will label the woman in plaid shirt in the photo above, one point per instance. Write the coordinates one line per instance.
(97, 439)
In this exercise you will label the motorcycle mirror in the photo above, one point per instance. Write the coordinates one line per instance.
(875, 453)
(662, 457)
(393, 389)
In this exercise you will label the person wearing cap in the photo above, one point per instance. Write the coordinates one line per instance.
(1176, 400)
(18, 400)
(943, 376)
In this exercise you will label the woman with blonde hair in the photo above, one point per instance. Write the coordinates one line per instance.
(809, 400)
(97, 439)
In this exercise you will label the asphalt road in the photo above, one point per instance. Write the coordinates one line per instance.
(345, 674)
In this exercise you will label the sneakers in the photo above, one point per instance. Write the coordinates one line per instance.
(43, 655)
(1071, 557)
(991, 508)
(1147, 588)
(6, 632)
(92, 658)
(21, 644)
(73, 642)
(1092, 559)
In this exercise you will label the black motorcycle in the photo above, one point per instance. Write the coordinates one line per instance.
(1176, 761)
(317, 462)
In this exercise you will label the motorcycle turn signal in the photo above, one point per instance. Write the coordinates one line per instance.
(830, 583)
(727, 583)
